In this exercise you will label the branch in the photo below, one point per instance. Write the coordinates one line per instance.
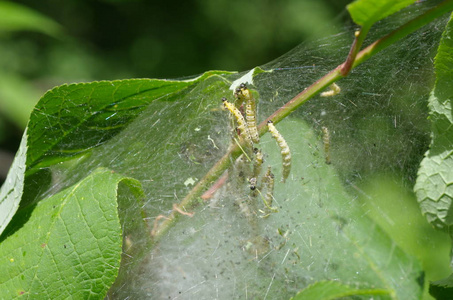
(356, 45)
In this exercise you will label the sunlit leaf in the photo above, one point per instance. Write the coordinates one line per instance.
(367, 12)
(71, 120)
(95, 111)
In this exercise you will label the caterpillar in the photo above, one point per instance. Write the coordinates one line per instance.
(244, 95)
(334, 90)
(258, 162)
(243, 130)
(326, 142)
(257, 165)
(284, 150)
(269, 178)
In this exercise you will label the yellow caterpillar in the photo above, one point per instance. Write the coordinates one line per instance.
(239, 120)
(269, 178)
(257, 162)
(326, 142)
(334, 90)
(284, 149)
(244, 94)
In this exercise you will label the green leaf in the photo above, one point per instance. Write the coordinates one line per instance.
(79, 112)
(72, 119)
(434, 186)
(367, 12)
(15, 17)
(68, 245)
(442, 289)
(11, 191)
(327, 290)
(435, 177)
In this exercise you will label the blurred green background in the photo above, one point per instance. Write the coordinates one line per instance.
(49, 43)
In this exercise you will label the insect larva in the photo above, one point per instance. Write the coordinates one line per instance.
(257, 163)
(244, 94)
(239, 120)
(334, 90)
(284, 149)
(269, 179)
(240, 172)
(326, 142)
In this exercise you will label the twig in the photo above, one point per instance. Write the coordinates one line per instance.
(359, 37)
(184, 213)
(217, 185)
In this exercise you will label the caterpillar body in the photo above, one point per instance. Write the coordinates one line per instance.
(284, 150)
(258, 162)
(244, 95)
(269, 178)
(334, 90)
(326, 142)
(243, 130)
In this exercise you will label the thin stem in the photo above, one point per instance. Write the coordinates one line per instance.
(301, 98)
(356, 45)
(191, 198)
(219, 168)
